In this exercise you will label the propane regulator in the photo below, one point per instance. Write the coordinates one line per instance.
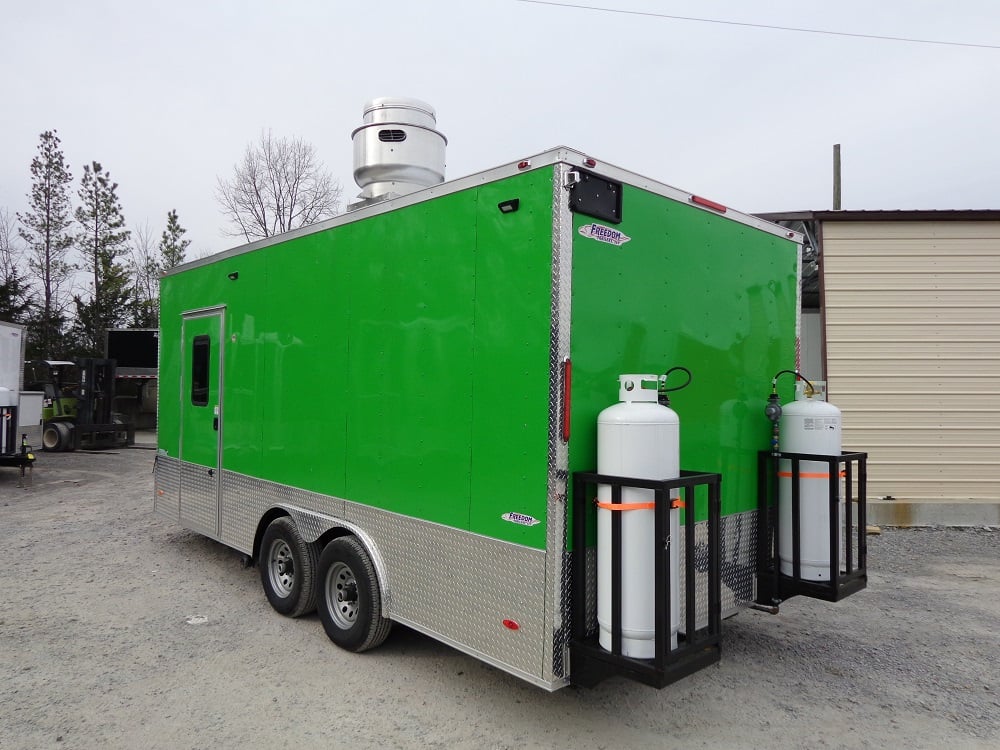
(773, 408)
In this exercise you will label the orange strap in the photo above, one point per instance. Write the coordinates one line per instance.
(626, 506)
(675, 503)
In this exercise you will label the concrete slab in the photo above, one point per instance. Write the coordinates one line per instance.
(929, 513)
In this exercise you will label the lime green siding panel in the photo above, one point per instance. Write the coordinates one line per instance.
(299, 329)
(513, 301)
(168, 432)
(689, 288)
(409, 396)
(399, 361)
(210, 286)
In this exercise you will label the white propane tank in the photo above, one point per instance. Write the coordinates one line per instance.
(637, 438)
(808, 425)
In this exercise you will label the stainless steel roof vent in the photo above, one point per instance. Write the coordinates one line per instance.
(398, 149)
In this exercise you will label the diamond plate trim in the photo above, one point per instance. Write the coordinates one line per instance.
(590, 598)
(557, 568)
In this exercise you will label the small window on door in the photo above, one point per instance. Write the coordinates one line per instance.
(199, 370)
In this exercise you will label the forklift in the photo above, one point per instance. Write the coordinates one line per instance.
(77, 410)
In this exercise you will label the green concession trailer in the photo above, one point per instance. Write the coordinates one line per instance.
(387, 410)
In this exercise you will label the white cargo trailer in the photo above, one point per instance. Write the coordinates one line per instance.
(14, 449)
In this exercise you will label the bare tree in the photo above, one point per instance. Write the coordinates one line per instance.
(145, 272)
(279, 185)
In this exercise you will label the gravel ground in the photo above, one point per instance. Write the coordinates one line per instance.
(119, 629)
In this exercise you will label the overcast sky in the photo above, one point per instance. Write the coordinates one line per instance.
(167, 95)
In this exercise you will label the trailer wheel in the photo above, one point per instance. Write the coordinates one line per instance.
(348, 600)
(287, 567)
(56, 436)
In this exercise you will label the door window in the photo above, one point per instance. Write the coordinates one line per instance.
(201, 347)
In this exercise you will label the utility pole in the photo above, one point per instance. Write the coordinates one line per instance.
(836, 177)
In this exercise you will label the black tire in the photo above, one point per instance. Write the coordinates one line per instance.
(288, 568)
(348, 599)
(57, 436)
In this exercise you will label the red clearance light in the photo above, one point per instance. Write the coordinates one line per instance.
(588, 162)
(524, 164)
(511, 625)
(706, 203)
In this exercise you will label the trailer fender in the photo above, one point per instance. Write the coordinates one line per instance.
(312, 526)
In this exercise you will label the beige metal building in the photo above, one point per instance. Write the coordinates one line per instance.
(906, 305)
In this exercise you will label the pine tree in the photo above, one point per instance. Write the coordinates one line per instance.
(103, 241)
(172, 245)
(15, 295)
(147, 267)
(45, 227)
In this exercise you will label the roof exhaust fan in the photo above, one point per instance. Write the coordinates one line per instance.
(398, 149)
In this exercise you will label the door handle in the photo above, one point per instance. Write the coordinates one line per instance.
(215, 423)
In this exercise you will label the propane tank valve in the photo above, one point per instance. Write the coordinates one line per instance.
(662, 391)
(773, 409)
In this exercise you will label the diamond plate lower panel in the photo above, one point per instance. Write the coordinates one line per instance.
(738, 533)
(739, 561)
(700, 574)
(451, 584)
(461, 587)
(167, 487)
(245, 500)
(199, 499)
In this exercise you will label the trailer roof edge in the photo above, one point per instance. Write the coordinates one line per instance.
(550, 157)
